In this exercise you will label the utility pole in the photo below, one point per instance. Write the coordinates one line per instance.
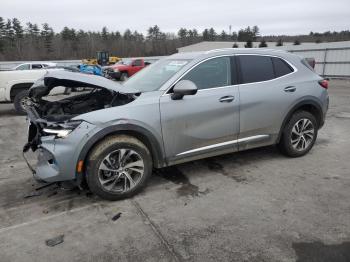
(230, 27)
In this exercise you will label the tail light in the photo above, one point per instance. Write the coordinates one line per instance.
(323, 83)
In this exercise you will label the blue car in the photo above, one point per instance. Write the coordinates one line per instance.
(91, 69)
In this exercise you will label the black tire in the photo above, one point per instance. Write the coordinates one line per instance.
(18, 102)
(285, 144)
(124, 76)
(102, 150)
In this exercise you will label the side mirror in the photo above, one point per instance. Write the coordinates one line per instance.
(183, 88)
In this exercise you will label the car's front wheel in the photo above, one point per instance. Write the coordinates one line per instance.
(299, 135)
(20, 101)
(118, 167)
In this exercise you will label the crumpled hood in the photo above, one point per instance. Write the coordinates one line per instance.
(43, 86)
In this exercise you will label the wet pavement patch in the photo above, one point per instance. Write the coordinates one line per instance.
(217, 167)
(55, 241)
(319, 252)
(174, 175)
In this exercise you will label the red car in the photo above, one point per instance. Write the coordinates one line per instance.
(126, 68)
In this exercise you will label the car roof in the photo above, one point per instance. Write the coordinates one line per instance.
(229, 51)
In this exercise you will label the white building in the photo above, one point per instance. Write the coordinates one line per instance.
(332, 58)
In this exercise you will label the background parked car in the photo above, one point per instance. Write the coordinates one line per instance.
(35, 65)
(126, 68)
(14, 84)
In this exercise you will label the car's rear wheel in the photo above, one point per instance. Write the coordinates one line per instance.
(20, 101)
(299, 135)
(118, 167)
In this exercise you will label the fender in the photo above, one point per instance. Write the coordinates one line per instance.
(152, 142)
(304, 102)
(10, 85)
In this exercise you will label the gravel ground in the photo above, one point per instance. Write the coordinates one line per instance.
(252, 206)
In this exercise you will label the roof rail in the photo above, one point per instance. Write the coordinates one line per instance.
(218, 50)
(255, 48)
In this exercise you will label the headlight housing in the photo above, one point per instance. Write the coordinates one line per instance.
(62, 130)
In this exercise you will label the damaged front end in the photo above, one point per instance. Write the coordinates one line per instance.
(55, 131)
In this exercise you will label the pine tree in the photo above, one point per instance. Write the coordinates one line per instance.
(206, 35)
(263, 43)
(249, 44)
(296, 42)
(212, 34)
(223, 36)
(279, 42)
(17, 28)
(48, 34)
(2, 34)
(105, 33)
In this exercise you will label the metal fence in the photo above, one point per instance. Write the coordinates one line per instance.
(330, 62)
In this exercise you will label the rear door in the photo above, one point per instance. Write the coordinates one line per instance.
(207, 123)
(267, 88)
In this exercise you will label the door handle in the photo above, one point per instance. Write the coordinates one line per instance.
(226, 99)
(290, 89)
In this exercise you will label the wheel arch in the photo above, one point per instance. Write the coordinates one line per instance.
(307, 105)
(16, 88)
(142, 134)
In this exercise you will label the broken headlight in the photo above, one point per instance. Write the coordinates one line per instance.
(62, 130)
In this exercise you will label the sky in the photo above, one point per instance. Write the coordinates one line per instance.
(273, 17)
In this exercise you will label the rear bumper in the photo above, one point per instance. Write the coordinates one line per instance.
(325, 110)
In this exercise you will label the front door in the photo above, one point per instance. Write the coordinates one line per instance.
(204, 124)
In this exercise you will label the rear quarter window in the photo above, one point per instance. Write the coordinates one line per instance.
(281, 67)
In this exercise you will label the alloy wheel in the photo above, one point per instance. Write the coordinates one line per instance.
(302, 135)
(121, 170)
(24, 102)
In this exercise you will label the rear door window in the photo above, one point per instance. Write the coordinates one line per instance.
(256, 68)
(36, 66)
(281, 67)
(212, 73)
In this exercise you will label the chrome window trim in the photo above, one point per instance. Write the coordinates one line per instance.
(208, 58)
(245, 139)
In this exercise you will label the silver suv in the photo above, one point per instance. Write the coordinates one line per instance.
(184, 107)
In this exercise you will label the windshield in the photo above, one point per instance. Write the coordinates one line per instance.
(23, 67)
(154, 76)
(125, 62)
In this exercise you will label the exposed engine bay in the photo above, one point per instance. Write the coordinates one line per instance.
(79, 101)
